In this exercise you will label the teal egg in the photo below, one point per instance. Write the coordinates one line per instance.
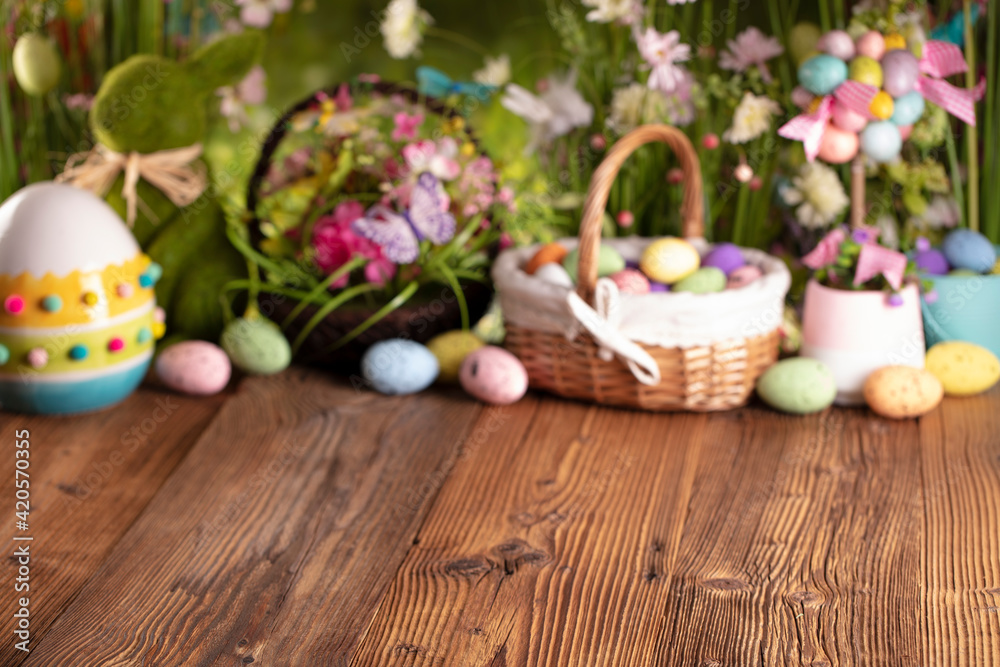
(398, 366)
(881, 141)
(256, 346)
(799, 386)
(908, 109)
(705, 280)
(609, 261)
(822, 74)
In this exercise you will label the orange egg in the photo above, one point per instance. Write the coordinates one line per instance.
(838, 146)
(550, 253)
(882, 106)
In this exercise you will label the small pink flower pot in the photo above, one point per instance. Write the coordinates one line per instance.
(856, 333)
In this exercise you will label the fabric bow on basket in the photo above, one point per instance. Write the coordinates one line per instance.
(170, 171)
(602, 323)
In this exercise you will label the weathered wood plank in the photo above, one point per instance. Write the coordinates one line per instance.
(275, 539)
(90, 476)
(552, 545)
(960, 555)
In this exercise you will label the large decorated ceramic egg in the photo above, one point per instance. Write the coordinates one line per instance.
(77, 312)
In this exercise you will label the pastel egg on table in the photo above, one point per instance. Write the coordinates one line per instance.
(77, 320)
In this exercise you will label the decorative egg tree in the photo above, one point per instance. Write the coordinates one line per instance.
(861, 98)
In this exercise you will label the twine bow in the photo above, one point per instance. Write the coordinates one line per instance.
(603, 323)
(170, 171)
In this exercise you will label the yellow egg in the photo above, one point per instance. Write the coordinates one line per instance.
(965, 369)
(996, 267)
(882, 106)
(669, 260)
(894, 41)
(451, 349)
(866, 70)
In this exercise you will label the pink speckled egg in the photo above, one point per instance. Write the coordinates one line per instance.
(494, 375)
(871, 44)
(194, 367)
(838, 146)
(630, 281)
(743, 276)
(848, 119)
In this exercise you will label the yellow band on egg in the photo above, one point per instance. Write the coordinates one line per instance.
(83, 297)
(136, 337)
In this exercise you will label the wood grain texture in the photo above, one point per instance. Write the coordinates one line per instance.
(90, 477)
(276, 538)
(563, 559)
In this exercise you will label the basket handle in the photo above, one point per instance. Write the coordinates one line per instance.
(692, 208)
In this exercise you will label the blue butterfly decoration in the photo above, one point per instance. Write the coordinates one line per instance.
(954, 29)
(435, 83)
(400, 235)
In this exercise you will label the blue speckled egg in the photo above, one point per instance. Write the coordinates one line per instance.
(399, 366)
(908, 109)
(882, 141)
(966, 249)
(822, 74)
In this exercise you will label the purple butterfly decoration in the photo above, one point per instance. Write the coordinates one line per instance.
(400, 235)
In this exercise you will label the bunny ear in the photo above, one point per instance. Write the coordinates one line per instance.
(227, 60)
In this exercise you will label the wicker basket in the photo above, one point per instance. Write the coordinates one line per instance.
(658, 351)
(429, 313)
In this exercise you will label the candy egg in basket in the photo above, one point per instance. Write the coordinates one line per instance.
(690, 327)
(372, 210)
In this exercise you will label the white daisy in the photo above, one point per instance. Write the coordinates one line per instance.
(495, 72)
(403, 28)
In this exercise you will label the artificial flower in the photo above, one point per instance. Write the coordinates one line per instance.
(403, 28)
(817, 195)
(751, 119)
(80, 101)
(260, 13)
(751, 47)
(439, 158)
(941, 213)
(662, 52)
(250, 91)
(406, 125)
(335, 244)
(678, 2)
(559, 110)
(495, 72)
(608, 11)
(679, 104)
(888, 232)
(628, 107)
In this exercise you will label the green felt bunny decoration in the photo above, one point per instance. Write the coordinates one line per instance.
(150, 104)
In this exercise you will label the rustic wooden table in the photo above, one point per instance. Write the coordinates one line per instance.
(296, 521)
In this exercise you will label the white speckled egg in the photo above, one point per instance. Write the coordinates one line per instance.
(194, 367)
(76, 303)
(494, 375)
(554, 274)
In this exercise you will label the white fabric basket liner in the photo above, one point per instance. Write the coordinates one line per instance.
(662, 319)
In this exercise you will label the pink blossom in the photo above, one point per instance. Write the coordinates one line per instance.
(751, 47)
(260, 13)
(81, 101)
(407, 125)
(439, 159)
(343, 99)
(662, 51)
(335, 244)
(250, 91)
(369, 78)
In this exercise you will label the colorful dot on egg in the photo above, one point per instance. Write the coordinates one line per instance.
(116, 345)
(38, 358)
(52, 304)
(159, 315)
(90, 299)
(78, 352)
(124, 290)
(144, 335)
(145, 281)
(4, 354)
(159, 329)
(14, 304)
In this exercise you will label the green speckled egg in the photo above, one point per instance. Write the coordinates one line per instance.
(799, 386)
(705, 280)
(256, 346)
(609, 261)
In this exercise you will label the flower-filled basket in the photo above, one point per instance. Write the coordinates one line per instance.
(370, 218)
(659, 351)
